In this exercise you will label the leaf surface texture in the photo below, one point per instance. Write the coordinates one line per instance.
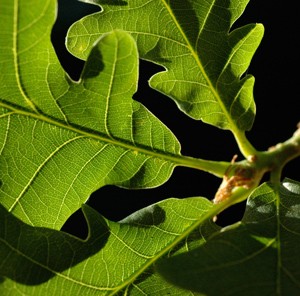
(168, 247)
(62, 139)
(204, 60)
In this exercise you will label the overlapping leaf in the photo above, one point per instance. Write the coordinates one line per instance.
(259, 256)
(143, 255)
(191, 40)
(60, 140)
(116, 257)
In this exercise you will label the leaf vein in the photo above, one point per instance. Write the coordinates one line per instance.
(37, 171)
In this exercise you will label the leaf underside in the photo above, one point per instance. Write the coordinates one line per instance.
(62, 139)
(258, 256)
(142, 254)
(204, 61)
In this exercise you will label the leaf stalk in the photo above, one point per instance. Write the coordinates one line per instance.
(244, 145)
(243, 177)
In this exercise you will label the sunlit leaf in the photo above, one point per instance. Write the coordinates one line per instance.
(146, 254)
(258, 256)
(204, 60)
(60, 140)
(115, 257)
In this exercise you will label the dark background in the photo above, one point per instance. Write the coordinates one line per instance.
(275, 67)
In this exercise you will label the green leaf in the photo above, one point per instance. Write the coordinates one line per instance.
(258, 256)
(204, 61)
(115, 258)
(62, 139)
(33, 255)
(167, 248)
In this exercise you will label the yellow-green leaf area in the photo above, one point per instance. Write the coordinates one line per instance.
(205, 60)
(63, 139)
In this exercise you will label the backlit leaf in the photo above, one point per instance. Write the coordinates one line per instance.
(258, 256)
(115, 258)
(204, 60)
(167, 248)
(60, 140)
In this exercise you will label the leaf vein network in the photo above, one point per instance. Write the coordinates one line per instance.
(38, 170)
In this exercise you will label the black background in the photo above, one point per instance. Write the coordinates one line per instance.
(275, 67)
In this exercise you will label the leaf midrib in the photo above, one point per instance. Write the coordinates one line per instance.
(233, 127)
(199, 64)
(176, 159)
(151, 260)
(207, 214)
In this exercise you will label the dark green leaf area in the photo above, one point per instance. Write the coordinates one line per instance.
(258, 256)
(115, 257)
(33, 255)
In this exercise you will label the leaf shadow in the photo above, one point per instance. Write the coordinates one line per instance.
(94, 65)
(232, 257)
(187, 18)
(33, 255)
(218, 265)
(147, 217)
